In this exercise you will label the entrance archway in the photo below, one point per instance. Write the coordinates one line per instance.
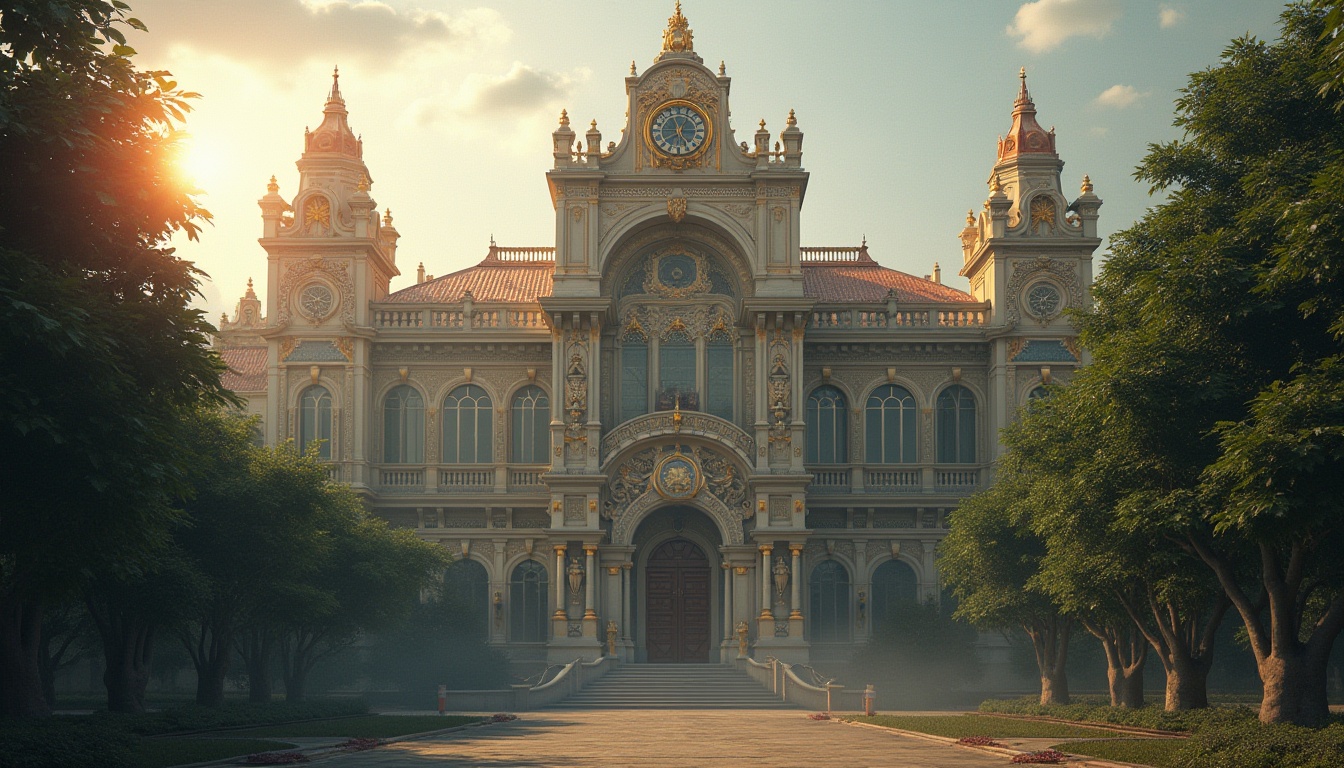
(677, 603)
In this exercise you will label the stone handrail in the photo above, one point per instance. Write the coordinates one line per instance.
(920, 315)
(571, 679)
(461, 316)
(786, 683)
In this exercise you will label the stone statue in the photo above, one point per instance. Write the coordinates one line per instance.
(575, 572)
(742, 639)
(781, 571)
(611, 638)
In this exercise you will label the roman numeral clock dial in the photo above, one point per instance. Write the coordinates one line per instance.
(678, 130)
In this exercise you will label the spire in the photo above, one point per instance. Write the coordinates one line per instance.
(678, 39)
(251, 294)
(1026, 136)
(333, 135)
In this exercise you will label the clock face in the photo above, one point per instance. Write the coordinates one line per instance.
(679, 130)
(1043, 300)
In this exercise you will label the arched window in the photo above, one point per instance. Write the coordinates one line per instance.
(531, 426)
(719, 376)
(676, 368)
(527, 603)
(467, 426)
(634, 377)
(1037, 393)
(404, 426)
(315, 420)
(890, 426)
(830, 602)
(467, 586)
(956, 426)
(894, 582)
(827, 436)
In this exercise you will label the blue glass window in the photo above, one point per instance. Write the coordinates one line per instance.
(527, 603)
(315, 420)
(890, 426)
(404, 426)
(468, 426)
(467, 585)
(830, 603)
(719, 378)
(634, 379)
(531, 426)
(956, 426)
(894, 582)
(676, 364)
(827, 435)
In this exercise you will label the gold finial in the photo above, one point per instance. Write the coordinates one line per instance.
(387, 217)
(723, 68)
(970, 217)
(1087, 184)
(273, 187)
(792, 121)
(762, 124)
(632, 67)
(994, 183)
(593, 126)
(564, 118)
(363, 185)
(677, 38)
(335, 84)
(251, 294)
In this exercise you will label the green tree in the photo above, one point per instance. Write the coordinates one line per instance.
(98, 346)
(991, 558)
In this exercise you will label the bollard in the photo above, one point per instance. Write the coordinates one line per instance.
(443, 699)
(869, 696)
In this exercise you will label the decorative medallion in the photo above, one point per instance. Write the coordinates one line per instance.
(678, 477)
(316, 301)
(675, 274)
(317, 211)
(678, 133)
(1043, 301)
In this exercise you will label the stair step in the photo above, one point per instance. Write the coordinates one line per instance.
(674, 686)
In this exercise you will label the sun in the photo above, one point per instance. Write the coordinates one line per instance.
(203, 163)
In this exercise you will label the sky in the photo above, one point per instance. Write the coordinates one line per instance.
(901, 103)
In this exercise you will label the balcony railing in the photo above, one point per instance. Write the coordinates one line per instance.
(462, 478)
(460, 317)
(927, 316)
(894, 479)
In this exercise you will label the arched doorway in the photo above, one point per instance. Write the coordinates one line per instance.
(677, 610)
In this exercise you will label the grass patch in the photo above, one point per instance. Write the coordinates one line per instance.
(228, 715)
(369, 727)
(160, 753)
(1159, 753)
(957, 726)
(1098, 710)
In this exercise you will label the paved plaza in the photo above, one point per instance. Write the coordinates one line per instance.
(669, 738)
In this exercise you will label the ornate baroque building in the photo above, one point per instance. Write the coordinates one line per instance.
(676, 423)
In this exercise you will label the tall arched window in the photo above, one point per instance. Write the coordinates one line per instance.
(894, 582)
(527, 603)
(890, 426)
(467, 426)
(830, 602)
(827, 436)
(634, 377)
(315, 420)
(956, 426)
(676, 366)
(403, 426)
(467, 586)
(719, 376)
(531, 425)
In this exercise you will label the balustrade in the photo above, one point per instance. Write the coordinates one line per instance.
(930, 317)
(893, 479)
(962, 479)
(456, 318)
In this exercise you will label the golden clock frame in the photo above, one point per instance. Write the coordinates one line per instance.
(660, 159)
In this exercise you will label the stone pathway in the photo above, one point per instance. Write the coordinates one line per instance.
(667, 739)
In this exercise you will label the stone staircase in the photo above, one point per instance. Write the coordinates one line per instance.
(674, 686)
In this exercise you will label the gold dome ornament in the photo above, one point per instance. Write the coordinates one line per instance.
(678, 38)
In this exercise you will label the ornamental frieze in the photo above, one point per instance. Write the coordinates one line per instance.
(462, 353)
(907, 352)
(678, 423)
(677, 473)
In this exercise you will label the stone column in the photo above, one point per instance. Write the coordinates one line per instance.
(590, 583)
(626, 633)
(727, 600)
(560, 582)
(766, 613)
(795, 598)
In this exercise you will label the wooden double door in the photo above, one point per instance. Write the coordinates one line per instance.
(677, 604)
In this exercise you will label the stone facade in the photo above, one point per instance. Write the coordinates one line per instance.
(676, 368)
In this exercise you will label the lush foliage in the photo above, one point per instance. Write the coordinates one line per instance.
(1256, 745)
(164, 753)
(957, 726)
(1158, 753)
(1178, 721)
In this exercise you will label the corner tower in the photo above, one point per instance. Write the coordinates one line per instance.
(329, 254)
(1029, 254)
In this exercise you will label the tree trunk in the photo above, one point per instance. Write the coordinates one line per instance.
(127, 649)
(1050, 641)
(210, 678)
(1126, 653)
(296, 685)
(211, 649)
(259, 648)
(20, 673)
(1125, 681)
(1187, 682)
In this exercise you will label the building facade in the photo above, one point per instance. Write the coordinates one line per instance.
(676, 425)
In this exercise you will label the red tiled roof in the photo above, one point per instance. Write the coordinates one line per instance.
(870, 282)
(247, 368)
(854, 279)
(491, 280)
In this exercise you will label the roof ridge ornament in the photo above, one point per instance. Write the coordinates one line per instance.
(678, 37)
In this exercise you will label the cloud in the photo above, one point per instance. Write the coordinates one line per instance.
(1044, 25)
(283, 33)
(1168, 17)
(521, 91)
(1118, 97)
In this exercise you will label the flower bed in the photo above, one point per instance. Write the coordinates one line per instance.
(978, 741)
(1044, 756)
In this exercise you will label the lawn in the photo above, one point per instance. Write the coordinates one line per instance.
(367, 727)
(1155, 752)
(957, 726)
(160, 753)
